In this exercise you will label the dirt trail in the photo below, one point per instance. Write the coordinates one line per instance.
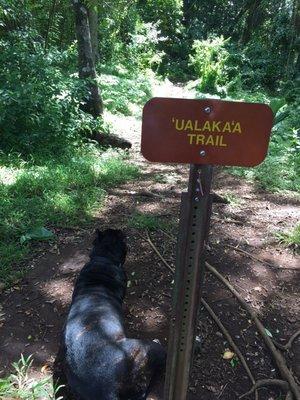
(34, 309)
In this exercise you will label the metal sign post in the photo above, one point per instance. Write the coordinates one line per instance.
(193, 229)
(201, 133)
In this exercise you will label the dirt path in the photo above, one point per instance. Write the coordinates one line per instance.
(35, 308)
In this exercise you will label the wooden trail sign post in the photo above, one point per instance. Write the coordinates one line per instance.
(200, 133)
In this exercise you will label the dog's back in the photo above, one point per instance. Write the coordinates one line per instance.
(99, 361)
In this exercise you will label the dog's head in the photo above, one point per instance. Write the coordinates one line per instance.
(110, 244)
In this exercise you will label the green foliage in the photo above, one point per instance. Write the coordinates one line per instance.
(53, 21)
(12, 16)
(172, 47)
(130, 42)
(291, 238)
(143, 49)
(224, 67)
(259, 67)
(122, 91)
(166, 13)
(57, 193)
(38, 101)
(147, 221)
(281, 169)
(19, 385)
(209, 63)
(117, 23)
(214, 17)
(50, 175)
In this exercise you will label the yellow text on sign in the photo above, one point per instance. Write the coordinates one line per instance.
(211, 131)
(210, 140)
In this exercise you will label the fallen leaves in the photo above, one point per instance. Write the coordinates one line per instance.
(45, 369)
(228, 355)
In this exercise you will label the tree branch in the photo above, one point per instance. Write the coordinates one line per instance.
(289, 344)
(257, 258)
(289, 381)
(232, 344)
(266, 382)
(148, 239)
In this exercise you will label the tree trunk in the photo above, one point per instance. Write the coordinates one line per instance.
(92, 103)
(250, 20)
(93, 21)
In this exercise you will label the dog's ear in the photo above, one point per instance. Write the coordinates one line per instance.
(99, 235)
(121, 234)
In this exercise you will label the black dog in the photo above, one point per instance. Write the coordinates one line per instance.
(96, 360)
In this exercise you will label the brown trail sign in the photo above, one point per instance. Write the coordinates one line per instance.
(206, 131)
(201, 133)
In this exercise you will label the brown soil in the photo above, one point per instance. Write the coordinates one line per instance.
(34, 309)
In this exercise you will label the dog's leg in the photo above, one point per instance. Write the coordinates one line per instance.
(60, 383)
(157, 365)
(157, 356)
(145, 362)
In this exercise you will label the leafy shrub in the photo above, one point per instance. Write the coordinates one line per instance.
(224, 67)
(143, 47)
(209, 63)
(38, 101)
(281, 168)
(121, 90)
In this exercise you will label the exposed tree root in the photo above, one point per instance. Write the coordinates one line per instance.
(148, 238)
(232, 343)
(257, 258)
(289, 344)
(277, 356)
(146, 193)
(169, 236)
(289, 381)
(216, 198)
(214, 317)
(111, 140)
(264, 383)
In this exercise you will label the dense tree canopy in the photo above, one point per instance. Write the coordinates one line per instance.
(262, 32)
(227, 48)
